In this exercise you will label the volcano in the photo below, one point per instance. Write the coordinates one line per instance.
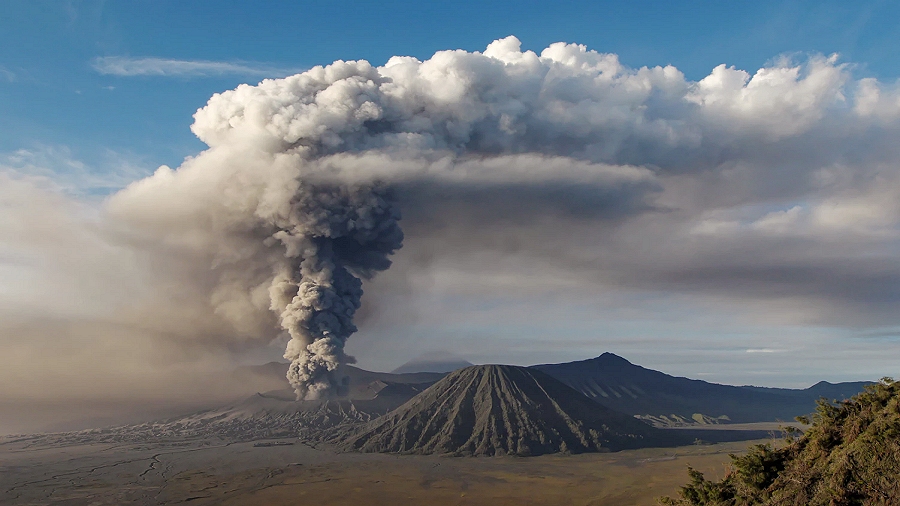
(497, 410)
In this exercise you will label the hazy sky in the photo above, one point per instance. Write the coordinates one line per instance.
(712, 191)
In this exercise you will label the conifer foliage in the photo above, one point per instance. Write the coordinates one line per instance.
(850, 455)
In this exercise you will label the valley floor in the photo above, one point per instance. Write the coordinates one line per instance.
(209, 472)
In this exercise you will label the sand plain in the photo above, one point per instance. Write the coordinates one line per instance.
(206, 472)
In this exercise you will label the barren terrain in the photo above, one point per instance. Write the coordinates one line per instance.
(215, 472)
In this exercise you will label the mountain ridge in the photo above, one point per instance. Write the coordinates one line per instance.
(660, 398)
(616, 383)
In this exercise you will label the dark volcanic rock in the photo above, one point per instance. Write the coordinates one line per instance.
(500, 409)
(618, 384)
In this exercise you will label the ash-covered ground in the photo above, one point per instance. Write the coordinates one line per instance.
(206, 472)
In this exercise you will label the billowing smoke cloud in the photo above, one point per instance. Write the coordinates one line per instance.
(299, 195)
(299, 191)
(779, 186)
(332, 237)
(270, 232)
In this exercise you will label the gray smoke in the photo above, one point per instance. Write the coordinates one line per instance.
(333, 236)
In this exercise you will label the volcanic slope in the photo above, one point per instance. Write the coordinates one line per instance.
(501, 409)
(618, 384)
(272, 414)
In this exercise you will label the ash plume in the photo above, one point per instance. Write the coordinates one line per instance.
(332, 237)
(298, 195)
(297, 199)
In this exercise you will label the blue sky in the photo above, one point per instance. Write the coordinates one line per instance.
(97, 94)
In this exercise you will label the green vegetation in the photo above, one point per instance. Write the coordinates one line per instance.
(850, 455)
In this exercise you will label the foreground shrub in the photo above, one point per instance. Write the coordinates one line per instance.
(850, 455)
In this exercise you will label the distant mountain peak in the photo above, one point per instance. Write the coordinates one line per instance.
(612, 358)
